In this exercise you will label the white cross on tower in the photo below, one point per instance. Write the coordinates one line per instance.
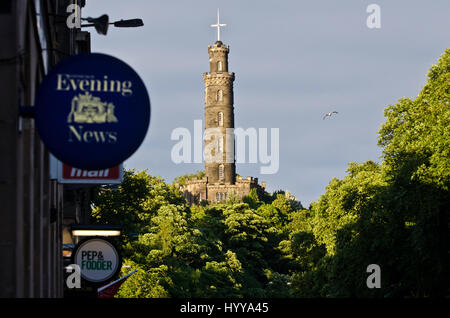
(218, 25)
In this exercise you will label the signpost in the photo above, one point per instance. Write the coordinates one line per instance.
(92, 111)
(98, 259)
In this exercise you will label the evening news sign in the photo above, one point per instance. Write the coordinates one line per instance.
(69, 174)
(92, 111)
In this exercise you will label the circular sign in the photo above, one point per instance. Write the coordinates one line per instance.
(92, 111)
(98, 259)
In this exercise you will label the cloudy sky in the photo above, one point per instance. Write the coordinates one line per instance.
(294, 61)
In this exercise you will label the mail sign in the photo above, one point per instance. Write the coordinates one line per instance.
(72, 175)
(92, 111)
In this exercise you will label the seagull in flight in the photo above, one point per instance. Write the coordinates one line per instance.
(329, 114)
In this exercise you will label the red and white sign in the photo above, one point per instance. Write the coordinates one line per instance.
(69, 174)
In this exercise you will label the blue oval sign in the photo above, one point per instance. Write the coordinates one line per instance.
(92, 111)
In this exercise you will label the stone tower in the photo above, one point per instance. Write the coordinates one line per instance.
(220, 182)
(219, 114)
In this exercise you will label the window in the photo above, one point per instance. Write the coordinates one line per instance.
(219, 66)
(220, 118)
(221, 171)
(219, 95)
(221, 196)
(220, 145)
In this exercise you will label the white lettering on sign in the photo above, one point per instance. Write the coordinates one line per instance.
(88, 109)
(70, 174)
(86, 173)
(88, 136)
(67, 82)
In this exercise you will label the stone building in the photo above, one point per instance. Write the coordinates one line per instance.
(220, 181)
(36, 209)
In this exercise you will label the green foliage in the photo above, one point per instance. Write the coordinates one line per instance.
(219, 250)
(416, 135)
(181, 180)
(142, 284)
(394, 214)
(252, 199)
(416, 141)
(135, 201)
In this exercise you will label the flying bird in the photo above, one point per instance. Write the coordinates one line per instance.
(329, 114)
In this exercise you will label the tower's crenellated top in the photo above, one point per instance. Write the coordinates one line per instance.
(218, 58)
(219, 47)
(218, 53)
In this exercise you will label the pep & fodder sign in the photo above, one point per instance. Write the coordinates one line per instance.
(92, 111)
(98, 259)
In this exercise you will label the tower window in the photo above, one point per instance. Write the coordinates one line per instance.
(220, 145)
(221, 171)
(219, 66)
(217, 196)
(219, 95)
(220, 118)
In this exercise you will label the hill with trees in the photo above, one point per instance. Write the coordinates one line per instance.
(394, 214)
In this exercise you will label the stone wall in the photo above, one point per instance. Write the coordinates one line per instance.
(196, 191)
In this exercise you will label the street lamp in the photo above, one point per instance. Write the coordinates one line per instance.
(101, 23)
(130, 23)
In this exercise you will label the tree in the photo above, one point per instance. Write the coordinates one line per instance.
(181, 180)
(326, 243)
(394, 215)
(221, 279)
(143, 283)
(252, 199)
(136, 200)
(415, 135)
(416, 141)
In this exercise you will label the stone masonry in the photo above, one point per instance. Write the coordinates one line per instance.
(220, 182)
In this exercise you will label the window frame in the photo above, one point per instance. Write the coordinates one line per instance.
(221, 172)
(220, 119)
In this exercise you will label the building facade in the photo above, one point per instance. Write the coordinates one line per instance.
(220, 182)
(36, 209)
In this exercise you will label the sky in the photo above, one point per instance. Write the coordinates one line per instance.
(294, 61)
